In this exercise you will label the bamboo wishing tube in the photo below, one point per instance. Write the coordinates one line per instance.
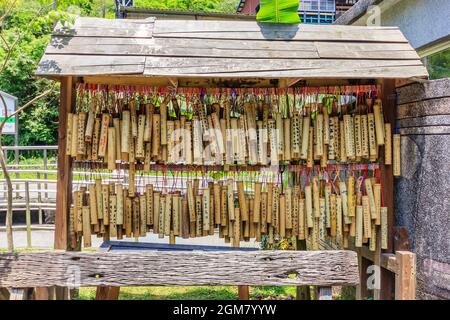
(301, 220)
(282, 220)
(373, 239)
(149, 204)
(345, 197)
(384, 228)
(388, 144)
(217, 206)
(223, 207)
(118, 143)
(397, 155)
(373, 146)
(230, 199)
(279, 134)
(112, 215)
(365, 137)
(305, 139)
(188, 142)
(257, 203)
(167, 214)
(272, 142)
(156, 135)
(81, 145)
(326, 126)
(243, 210)
(206, 206)
(148, 123)
(339, 222)
(287, 139)
(197, 139)
(337, 137)
(105, 204)
(89, 126)
(93, 204)
(125, 134)
(366, 217)
(322, 229)
(103, 135)
(74, 140)
(275, 208)
(140, 154)
(328, 209)
(332, 137)
(343, 148)
(310, 159)
(379, 123)
(295, 135)
(120, 205)
(309, 207)
(95, 138)
(156, 209)
(316, 196)
(269, 202)
(69, 134)
(359, 226)
(333, 215)
(370, 194)
(170, 127)
(377, 197)
(358, 136)
(176, 210)
(198, 216)
(111, 149)
(161, 218)
(349, 137)
(288, 209)
(351, 198)
(318, 151)
(86, 227)
(134, 121)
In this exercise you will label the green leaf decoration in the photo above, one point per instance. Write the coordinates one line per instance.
(278, 11)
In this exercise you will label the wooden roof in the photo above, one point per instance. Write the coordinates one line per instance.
(228, 49)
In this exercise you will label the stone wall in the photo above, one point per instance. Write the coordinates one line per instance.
(422, 197)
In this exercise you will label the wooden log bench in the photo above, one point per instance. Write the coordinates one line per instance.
(324, 269)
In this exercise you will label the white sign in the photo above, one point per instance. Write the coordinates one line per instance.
(11, 104)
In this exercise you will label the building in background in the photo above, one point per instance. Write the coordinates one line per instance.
(422, 22)
(310, 11)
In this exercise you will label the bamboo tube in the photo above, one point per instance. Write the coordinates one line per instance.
(149, 204)
(89, 126)
(243, 152)
(365, 137)
(345, 196)
(377, 198)
(288, 209)
(388, 145)
(170, 127)
(243, 210)
(322, 228)
(223, 208)
(370, 194)
(206, 199)
(366, 217)
(105, 205)
(167, 214)
(156, 134)
(269, 203)
(295, 136)
(117, 137)
(249, 225)
(191, 202)
(358, 136)
(333, 215)
(74, 140)
(384, 228)
(140, 154)
(95, 138)
(305, 139)
(332, 137)
(197, 140)
(373, 239)
(276, 208)
(328, 209)
(279, 135)
(131, 180)
(142, 215)
(185, 224)
(198, 214)
(326, 126)
(223, 129)
(310, 158)
(263, 219)
(315, 235)
(282, 220)
(351, 202)
(93, 204)
(316, 196)
(309, 207)
(77, 209)
(135, 221)
(373, 146)
(230, 199)
(379, 123)
(81, 144)
(287, 139)
(111, 149)
(125, 134)
(337, 138)
(302, 226)
(257, 203)
(86, 227)
(161, 215)
(349, 137)
(236, 228)
(218, 133)
(343, 151)
(134, 120)
(217, 206)
(103, 135)
(72, 227)
(324, 158)
(179, 144)
(397, 155)
(98, 198)
(148, 123)
(272, 142)
(339, 221)
(318, 150)
(359, 226)
(294, 206)
(188, 142)
(112, 215)
(156, 209)
(120, 205)
(176, 214)
(69, 134)
(128, 220)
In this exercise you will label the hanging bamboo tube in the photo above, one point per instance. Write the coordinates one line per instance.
(370, 194)
(162, 216)
(296, 135)
(148, 122)
(287, 139)
(294, 206)
(140, 151)
(95, 138)
(305, 138)
(351, 198)
(359, 226)
(77, 209)
(379, 122)
(198, 216)
(236, 228)
(288, 209)
(318, 150)
(397, 155)
(206, 199)
(188, 142)
(282, 215)
(156, 134)
(185, 219)
(176, 211)
(310, 159)
(217, 206)
(156, 210)
(93, 204)
(117, 137)
(103, 135)
(269, 203)
(128, 211)
(377, 197)
(337, 138)
(272, 142)
(333, 215)
(373, 146)
(197, 139)
(279, 135)
(322, 228)
(167, 214)
(263, 220)
(328, 212)
(384, 228)
(223, 208)
(111, 149)
(81, 144)
(365, 137)
(332, 137)
(309, 207)
(86, 227)
(105, 205)
(218, 133)
(316, 196)
(366, 217)
(343, 151)
(230, 199)
(74, 140)
(112, 215)
(119, 205)
(358, 136)
(346, 198)
(149, 204)
(98, 198)
(388, 144)
(134, 120)
(257, 203)
(89, 126)
(339, 221)
(349, 137)
(125, 134)
(276, 209)
(243, 210)
(69, 134)
(170, 127)
(302, 226)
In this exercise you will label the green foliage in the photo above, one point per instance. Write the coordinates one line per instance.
(194, 5)
(279, 11)
(439, 65)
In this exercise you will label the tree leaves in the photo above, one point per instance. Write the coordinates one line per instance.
(278, 11)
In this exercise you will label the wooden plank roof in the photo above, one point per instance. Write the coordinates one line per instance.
(228, 49)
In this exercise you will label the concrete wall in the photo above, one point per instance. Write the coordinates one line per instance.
(422, 196)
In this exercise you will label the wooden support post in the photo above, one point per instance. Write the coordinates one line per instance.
(41, 293)
(107, 293)
(303, 292)
(405, 278)
(4, 294)
(361, 289)
(27, 213)
(64, 176)
(244, 292)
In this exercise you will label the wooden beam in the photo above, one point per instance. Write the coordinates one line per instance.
(64, 176)
(405, 279)
(254, 268)
(244, 292)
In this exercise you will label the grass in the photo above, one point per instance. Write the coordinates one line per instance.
(194, 293)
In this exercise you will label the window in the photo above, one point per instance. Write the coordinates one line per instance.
(438, 64)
